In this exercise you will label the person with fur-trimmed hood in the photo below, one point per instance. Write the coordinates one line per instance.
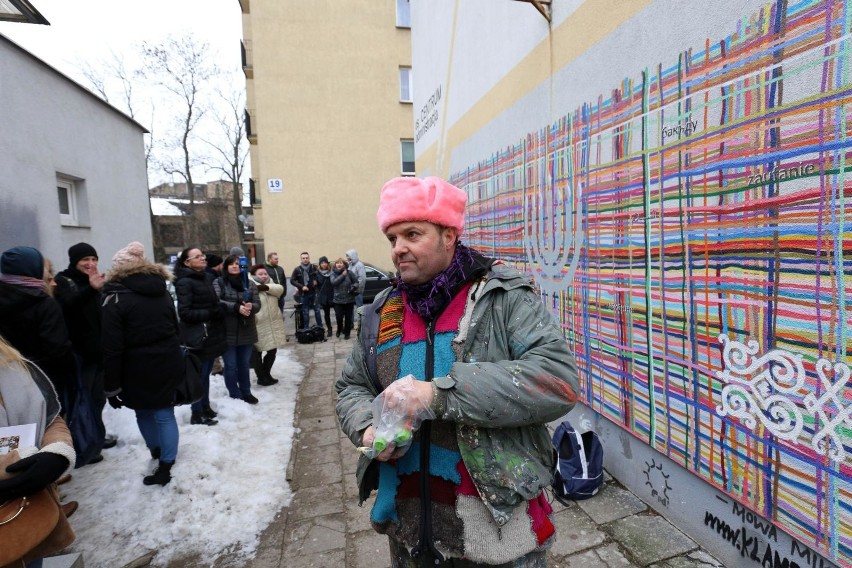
(142, 357)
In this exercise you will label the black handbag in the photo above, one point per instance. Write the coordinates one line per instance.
(193, 335)
(189, 389)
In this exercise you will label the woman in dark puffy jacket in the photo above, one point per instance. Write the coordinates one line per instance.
(32, 321)
(240, 305)
(143, 362)
(202, 322)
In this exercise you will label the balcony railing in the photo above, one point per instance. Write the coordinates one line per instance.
(250, 133)
(246, 54)
(253, 198)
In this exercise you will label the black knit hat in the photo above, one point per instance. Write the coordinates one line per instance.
(214, 260)
(323, 259)
(79, 251)
(22, 261)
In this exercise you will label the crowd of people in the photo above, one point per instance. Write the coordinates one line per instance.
(79, 339)
(460, 355)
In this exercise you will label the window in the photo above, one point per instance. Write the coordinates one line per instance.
(405, 92)
(66, 191)
(407, 151)
(403, 14)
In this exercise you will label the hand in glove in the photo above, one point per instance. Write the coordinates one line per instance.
(115, 401)
(397, 413)
(262, 287)
(32, 474)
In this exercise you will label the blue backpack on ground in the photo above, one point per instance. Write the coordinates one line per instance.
(579, 464)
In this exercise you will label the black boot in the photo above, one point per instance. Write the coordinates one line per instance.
(329, 332)
(155, 453)
(208, 412)
(161, 476)
(199, 418)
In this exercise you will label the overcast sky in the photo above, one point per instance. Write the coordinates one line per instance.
(88, 29)
(87, 32)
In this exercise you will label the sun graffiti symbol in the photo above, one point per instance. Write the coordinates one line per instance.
(658, 481)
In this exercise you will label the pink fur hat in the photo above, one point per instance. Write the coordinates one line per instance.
(133, 252)
(429, 199)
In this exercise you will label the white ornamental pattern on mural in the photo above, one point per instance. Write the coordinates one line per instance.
(766, 388)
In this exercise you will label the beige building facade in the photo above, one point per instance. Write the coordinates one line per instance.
(329, 115)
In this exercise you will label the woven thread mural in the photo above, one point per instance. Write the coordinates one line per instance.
(692, 229)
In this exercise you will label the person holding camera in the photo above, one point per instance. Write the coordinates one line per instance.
(345, 285)
(241, 301)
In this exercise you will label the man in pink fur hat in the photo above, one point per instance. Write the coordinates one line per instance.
(447, 394)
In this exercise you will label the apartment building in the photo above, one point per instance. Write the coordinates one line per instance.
(329, 119)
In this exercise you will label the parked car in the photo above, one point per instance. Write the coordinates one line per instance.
(377, 280)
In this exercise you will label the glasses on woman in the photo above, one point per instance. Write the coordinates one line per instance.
(198, 257)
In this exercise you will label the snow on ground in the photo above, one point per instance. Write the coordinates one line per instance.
(227, 484)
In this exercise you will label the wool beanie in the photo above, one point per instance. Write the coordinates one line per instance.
(214, 260)
(323, 259)
(237, 251)
(78, 251)
(134, 252)
(429, 199)
(22, 261)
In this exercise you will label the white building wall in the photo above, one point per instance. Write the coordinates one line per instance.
(50, 125)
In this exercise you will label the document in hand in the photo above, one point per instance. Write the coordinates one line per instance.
(14, 437)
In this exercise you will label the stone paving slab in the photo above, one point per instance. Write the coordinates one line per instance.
(611, 503)
(649, 538)
(608, 556)
(576, 532)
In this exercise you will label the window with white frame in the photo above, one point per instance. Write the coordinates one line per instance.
(66, 192)
(403, 14)
(405, 92)
(407, 153)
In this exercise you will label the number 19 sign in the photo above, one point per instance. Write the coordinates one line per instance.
(275, 185)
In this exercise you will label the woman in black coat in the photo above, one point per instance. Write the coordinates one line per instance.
(143, 362)
(202, 323)
(31, 320)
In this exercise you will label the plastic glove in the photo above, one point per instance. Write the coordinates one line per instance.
(397, 413)
(32, 474)
(115, 401)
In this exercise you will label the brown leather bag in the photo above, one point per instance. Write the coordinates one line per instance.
(32, 527)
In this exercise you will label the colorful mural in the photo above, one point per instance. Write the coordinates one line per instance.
(692, 229)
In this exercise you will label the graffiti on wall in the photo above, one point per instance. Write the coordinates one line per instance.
(692, 230)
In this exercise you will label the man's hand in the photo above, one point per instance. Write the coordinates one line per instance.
(408, 396)
(96, 279)
(304, 288)
(389, 453)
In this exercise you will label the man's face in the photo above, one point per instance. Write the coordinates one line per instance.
(306, 259)
(273, 260)
(87, 265)
(420, 250)
(349, 260)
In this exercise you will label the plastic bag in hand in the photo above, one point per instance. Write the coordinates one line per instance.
(397, 413)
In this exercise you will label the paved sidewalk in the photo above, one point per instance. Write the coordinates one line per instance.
(324, 527)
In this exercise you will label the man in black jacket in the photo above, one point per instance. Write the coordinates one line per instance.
(304, 280)
(78, 291)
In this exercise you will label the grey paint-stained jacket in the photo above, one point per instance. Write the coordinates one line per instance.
(516, 375)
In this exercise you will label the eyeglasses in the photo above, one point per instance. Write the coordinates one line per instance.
(197, 257)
